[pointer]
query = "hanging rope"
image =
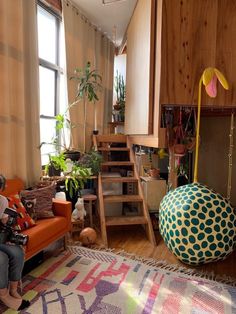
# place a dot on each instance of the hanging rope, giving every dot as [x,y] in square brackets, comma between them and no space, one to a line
[230,166]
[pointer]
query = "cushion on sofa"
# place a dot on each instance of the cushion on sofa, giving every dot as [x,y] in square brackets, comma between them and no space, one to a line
[24,221]
[30,207]
[43,196]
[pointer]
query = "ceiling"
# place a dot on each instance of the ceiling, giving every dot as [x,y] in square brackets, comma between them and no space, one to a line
[113,18]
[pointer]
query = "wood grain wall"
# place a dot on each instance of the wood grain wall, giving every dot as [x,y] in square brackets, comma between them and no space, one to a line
[213,155]
[139,76]
[196,35]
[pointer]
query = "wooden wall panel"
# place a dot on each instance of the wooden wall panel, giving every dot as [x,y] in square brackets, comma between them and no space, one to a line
[139,79]
[226,50]
[213,158]
[188,47]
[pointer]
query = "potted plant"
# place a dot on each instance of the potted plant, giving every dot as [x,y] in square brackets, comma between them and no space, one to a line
[92,160]
[64,127]
[120,94]
[56,165]
[75,181]
[62,141]
[89,83]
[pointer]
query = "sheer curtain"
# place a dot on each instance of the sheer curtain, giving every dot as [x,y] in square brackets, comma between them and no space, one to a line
[85,43]
[19,106]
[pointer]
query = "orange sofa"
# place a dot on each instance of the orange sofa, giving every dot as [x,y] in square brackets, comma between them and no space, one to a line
[46,231]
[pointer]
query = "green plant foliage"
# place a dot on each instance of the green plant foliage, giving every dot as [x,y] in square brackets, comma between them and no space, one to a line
[120,90]
[57,161]
[76,179]
[89,82]
[91,160]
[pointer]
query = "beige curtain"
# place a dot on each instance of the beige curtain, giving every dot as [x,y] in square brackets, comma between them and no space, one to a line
[19,105]
[85,43]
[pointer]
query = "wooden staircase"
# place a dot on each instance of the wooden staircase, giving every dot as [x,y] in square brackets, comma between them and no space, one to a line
[107,145]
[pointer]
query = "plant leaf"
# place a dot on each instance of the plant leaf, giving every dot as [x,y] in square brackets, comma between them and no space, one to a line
[207,75]
[221,79]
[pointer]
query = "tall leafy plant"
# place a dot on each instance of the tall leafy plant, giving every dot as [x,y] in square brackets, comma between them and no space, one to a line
[89,83]
[120,90]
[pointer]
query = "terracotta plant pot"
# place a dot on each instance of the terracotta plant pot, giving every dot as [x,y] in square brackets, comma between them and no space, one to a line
[191,143]
[117,107]
[179,149]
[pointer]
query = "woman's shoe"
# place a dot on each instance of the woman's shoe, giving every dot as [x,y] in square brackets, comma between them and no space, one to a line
[11,302]
[24,305]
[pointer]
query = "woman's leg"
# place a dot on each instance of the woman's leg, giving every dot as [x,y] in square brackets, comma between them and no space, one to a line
[4,262]
[16,260]
[16,263]
[12,257]
[4,294]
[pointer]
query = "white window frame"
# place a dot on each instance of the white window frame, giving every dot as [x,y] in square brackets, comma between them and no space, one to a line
[55,67]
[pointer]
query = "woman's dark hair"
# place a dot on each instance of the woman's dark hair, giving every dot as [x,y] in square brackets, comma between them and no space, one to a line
[2,182]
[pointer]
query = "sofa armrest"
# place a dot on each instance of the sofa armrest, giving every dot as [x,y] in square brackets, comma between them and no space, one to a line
[62,208]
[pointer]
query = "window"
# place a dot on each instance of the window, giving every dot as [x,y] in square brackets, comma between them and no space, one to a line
[51,76]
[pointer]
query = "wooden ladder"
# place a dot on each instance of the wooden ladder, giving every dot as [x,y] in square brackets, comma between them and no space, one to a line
[107,145]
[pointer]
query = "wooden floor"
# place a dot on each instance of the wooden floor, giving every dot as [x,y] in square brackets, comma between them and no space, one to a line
[133,240]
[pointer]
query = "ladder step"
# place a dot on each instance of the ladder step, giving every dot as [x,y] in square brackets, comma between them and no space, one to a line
[123,220]
[122,198]
[121,179]
[117,163]
[114,149]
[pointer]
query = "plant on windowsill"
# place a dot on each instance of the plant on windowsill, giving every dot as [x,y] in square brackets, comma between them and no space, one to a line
[62,141]
[120,90]
[56,165]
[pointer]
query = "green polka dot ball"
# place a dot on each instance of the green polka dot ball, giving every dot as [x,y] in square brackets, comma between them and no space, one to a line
[197,224]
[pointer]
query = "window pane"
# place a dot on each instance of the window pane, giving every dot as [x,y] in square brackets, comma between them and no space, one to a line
[47,91]
[47,133]
[62,54]
[63,94]
[46,35]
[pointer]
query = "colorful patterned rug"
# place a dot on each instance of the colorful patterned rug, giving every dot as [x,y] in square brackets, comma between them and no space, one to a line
[82,280]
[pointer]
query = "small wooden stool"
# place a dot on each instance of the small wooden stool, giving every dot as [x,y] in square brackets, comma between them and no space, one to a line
[90,198]
[76,226]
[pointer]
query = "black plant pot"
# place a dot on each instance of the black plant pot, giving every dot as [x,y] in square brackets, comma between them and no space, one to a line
[73,199]
[53,172]
[73,155]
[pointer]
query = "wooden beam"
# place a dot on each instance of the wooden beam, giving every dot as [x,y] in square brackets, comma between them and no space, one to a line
[150,140]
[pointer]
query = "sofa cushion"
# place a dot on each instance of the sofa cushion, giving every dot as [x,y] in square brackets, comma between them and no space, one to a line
[30,207]
[45,231]
[24,221]
[43,196]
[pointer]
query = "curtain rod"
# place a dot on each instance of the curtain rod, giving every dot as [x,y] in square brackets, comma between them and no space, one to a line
[84,17]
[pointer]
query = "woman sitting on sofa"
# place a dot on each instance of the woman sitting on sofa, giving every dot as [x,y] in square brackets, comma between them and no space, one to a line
[11,265]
